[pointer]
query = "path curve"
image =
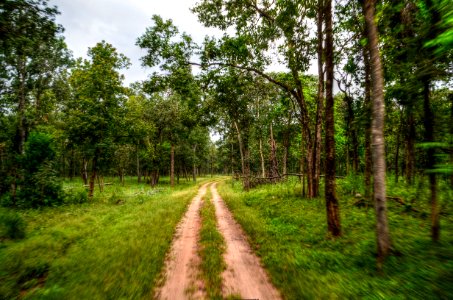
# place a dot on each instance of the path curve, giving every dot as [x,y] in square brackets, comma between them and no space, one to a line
[182,280]
[244,274]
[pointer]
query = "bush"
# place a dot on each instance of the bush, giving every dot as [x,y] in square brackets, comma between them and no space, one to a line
[76,197]
[40,185]
[12,225]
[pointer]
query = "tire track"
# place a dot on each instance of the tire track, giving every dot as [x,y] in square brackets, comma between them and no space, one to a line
[182,279]
[244,274]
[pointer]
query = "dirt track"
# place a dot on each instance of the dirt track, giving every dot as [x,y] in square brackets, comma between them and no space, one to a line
[243,276]
[182,265]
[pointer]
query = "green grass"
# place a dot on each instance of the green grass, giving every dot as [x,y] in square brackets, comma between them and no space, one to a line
[289,234]
[212,247]
[109,248]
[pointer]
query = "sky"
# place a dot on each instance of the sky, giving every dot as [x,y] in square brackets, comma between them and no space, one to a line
[120,23]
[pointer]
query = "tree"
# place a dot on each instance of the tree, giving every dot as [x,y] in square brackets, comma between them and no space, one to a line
[332,206]
[176,80]
[95,111]
[377,137]
[260,27]
[32,53]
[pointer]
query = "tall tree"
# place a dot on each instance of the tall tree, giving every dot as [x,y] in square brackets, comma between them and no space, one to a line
[377,137]
[96,109]
[32,53]
[332,206]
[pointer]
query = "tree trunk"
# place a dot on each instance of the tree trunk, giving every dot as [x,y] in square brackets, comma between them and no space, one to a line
[352,153]
[84,171]
[378,143]
[285,157]
[247,170]
[451,137]
[263,167]
[154,178]
[21,106]
[332,207]
[431,161]
[397,152]
[241,151]
[139,175]
[302,166]
[71,166]
[320,102]
[92,178]
[410,147]
[194,169]
[367,104]
[172,165]
[273,172]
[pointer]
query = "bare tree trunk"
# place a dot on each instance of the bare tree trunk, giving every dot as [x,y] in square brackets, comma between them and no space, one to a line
[172,165]
[352,151]
[397,152]
[431,161]
[367,104]
[154,178]
[194,170]
[320,102]
[451,136]
[84,171]
[285,157]
[232,158]
[71,166]
[332,207]
[139,175]
[241,147]
[21,108]
[247,170]
[92,178]
[263,167]
[302,167]
[378,143]
[410,148]
[273,172]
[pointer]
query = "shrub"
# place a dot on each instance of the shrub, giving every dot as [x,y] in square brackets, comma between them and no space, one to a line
[76,197]
[40,185]
[12,225]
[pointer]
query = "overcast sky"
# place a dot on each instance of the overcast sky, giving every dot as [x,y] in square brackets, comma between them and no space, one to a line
[120,23]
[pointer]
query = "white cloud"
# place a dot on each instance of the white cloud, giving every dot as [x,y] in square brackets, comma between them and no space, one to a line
[120,23]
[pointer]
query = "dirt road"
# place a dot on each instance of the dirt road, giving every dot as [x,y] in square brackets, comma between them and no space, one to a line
[244,275]
[182,265]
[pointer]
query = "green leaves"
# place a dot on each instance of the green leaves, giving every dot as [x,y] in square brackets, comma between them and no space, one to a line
[96,108]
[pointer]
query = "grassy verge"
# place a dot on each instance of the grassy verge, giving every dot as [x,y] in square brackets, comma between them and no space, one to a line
[110,248]
[212,247]
[289,233]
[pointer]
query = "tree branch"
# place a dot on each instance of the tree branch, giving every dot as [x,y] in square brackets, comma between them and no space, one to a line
[256,71]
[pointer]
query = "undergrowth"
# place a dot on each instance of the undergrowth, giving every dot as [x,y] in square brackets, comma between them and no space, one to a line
[111,247]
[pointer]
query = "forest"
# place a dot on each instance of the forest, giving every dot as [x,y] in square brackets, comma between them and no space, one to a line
[341,181]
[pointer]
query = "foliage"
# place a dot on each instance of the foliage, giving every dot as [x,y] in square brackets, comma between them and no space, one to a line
[12,225]
[41,185]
